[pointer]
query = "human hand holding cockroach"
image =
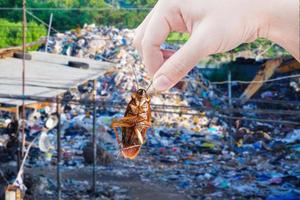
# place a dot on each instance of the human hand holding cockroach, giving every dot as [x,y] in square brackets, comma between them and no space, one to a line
[214,26]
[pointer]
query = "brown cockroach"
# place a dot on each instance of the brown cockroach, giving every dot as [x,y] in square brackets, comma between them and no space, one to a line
[134,124]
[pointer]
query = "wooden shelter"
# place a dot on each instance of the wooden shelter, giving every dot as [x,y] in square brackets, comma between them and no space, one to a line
[47,75]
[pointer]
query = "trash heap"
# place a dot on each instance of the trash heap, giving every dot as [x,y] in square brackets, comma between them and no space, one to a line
[196,144]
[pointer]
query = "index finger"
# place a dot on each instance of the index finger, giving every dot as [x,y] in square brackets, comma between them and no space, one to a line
[156,33]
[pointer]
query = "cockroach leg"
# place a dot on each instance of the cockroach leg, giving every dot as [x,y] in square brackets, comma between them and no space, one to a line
[134,108]
[145,124]
[117,136]
[119,153]
[139,135]
[124,122]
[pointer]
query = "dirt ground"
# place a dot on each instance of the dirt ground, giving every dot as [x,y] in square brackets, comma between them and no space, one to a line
[137,189]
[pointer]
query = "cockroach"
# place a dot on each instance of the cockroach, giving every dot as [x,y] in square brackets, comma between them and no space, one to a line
[134,124]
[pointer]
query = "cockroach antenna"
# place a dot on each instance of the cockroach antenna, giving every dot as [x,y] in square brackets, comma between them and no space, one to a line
[135,77]
[149,86]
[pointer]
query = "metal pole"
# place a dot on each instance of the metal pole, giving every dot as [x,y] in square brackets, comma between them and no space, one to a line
[230,106]
[229,89]
[18,139]
[23,75]
[49,30]
[58,175]
[94,137]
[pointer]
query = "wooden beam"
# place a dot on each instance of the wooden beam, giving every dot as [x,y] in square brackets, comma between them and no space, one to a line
[267,70]
[9,109]
[288,65]
[8,52]
[38,106]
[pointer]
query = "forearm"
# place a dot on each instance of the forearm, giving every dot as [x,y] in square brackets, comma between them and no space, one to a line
[282,25]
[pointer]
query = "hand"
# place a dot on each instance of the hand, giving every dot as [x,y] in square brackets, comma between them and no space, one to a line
[214,26]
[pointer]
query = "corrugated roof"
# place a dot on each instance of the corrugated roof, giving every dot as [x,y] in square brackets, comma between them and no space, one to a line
[47,75]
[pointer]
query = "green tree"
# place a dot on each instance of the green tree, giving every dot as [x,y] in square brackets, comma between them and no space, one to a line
[11,33]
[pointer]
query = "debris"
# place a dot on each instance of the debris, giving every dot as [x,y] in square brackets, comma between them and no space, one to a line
[102,157]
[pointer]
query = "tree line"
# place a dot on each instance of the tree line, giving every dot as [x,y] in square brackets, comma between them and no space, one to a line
[100,12]
[65,19]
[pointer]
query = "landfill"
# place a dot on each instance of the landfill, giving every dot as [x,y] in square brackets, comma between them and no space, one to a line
[197,148]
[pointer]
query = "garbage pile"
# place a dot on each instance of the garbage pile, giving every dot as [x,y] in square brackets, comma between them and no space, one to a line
[198,143]
[202,165]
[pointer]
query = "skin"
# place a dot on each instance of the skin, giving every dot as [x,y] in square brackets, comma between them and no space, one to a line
[214,26]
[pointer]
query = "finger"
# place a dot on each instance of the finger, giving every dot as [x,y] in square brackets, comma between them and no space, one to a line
[139,33]
[178,65]
[167,53]
[153,38]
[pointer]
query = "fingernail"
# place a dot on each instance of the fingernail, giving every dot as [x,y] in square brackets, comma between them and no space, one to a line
[161,83]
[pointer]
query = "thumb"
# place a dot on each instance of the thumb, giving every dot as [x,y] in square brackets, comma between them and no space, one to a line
[181,62]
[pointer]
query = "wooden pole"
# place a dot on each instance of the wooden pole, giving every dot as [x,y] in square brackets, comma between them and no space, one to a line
[23,76]
[49,30]
[58,175]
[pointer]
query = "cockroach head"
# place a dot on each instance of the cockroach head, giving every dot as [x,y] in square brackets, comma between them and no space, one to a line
[141,92]
[139,95]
